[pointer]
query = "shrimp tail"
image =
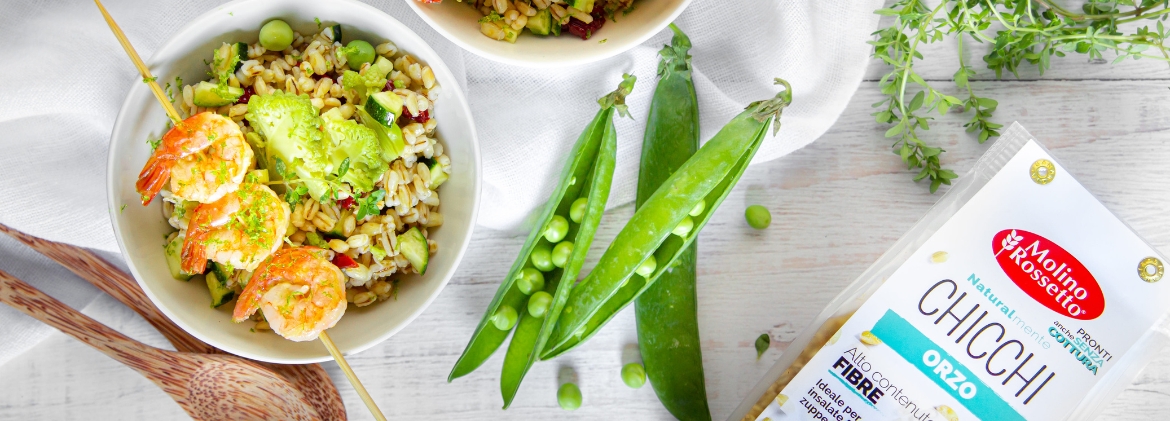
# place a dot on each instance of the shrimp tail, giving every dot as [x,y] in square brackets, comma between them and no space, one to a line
[194,256]
[153,177]
[249,300]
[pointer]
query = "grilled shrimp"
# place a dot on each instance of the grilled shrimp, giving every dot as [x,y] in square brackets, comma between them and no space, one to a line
[299,292]
[204,157]
[241,229]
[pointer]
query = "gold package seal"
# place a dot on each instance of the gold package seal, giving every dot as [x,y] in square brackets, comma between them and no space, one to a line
[1043,171]
[1150,269]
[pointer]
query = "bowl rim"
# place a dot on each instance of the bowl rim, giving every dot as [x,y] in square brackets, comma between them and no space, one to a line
[620,46]
[142,89]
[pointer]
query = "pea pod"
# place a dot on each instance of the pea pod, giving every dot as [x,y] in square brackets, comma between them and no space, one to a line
[532,334]
[668,324]
[589,169]
[707,177]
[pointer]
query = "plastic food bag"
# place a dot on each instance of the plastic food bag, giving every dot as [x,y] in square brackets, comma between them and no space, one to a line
[1017,297]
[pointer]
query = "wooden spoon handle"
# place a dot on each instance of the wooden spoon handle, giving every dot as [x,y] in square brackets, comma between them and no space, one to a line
[52,312]
[114,282]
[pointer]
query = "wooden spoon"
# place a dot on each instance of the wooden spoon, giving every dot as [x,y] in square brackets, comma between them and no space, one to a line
[208,387]
[310,379]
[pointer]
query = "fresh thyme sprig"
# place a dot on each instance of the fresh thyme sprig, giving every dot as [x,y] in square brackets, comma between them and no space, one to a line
[1025,33]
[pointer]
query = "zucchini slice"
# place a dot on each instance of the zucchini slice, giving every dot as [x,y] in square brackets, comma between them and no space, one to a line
[385,107]
[334,32]
[220,292]
[412,245]
[438,174]
[541,24]
[173,251]
[208,94]
[227,59]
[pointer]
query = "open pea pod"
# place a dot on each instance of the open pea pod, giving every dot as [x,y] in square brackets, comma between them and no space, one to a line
[532,332]
[589,168]
[662,227]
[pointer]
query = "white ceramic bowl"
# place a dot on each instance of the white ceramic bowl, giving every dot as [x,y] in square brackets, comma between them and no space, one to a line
[458,22]
[140,230]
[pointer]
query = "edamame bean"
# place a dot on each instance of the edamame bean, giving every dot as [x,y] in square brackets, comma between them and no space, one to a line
[758,216]
[505,318]
[577,210]
[569,396]
[542,257]
[556,230]
[647,267]
[634,375]
[561,253]
[359,52]
[538,304]
[683,228]
[699,208]
[530,280]
[276,35]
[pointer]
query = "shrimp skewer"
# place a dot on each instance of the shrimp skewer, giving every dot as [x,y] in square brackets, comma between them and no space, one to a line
[240,230]
[204,157]
[299,292]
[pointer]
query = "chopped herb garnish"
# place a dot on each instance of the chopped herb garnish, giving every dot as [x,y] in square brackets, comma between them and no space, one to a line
[369,205]
[149,79]
[154,144]
[122,209]
[318,21]
[603,41]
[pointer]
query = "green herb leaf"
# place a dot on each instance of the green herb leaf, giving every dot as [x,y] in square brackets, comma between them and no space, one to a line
[762,344]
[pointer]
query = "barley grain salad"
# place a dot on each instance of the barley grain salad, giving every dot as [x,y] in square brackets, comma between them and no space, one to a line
[303,176]
[504,20]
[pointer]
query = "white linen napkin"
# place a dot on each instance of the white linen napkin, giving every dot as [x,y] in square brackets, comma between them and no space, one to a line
[64,78]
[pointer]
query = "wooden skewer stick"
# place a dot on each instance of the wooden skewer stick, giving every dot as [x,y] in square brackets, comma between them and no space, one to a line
[357,384]
[174,115]
[146,77]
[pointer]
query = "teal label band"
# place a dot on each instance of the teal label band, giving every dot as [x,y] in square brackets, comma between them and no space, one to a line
[948,373]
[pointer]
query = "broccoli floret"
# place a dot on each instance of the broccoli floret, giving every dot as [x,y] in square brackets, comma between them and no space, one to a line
[292,131]
[359,144]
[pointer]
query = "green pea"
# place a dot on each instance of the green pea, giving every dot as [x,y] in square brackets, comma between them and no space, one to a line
[634,375]
[542,257]
[556,230]
[359,52]
[276,35]
[538,304]
[505,318]
[577,210]
[699,208]
[758,216]
[647,267]
[684,227]
[569,396]
[561,253]
[529,281]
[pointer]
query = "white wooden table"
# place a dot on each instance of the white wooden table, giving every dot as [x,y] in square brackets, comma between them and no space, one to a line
[836,206]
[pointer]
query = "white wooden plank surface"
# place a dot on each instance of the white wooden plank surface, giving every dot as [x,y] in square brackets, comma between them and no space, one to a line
[836,205]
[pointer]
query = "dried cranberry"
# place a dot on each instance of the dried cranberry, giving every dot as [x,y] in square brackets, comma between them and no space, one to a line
[343,261]
[346,203]
[248,92]
[406,118]
[586,30]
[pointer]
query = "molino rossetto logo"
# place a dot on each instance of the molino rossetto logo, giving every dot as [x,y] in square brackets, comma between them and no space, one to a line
[1048,274]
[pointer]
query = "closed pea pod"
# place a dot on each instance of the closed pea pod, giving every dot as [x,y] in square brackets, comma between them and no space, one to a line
[588,173]
[708,176]
[667,312]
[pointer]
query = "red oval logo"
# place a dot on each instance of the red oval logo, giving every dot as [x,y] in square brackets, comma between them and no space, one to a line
[1048,274]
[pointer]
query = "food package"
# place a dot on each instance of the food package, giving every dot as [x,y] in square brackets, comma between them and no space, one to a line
[1019,296]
